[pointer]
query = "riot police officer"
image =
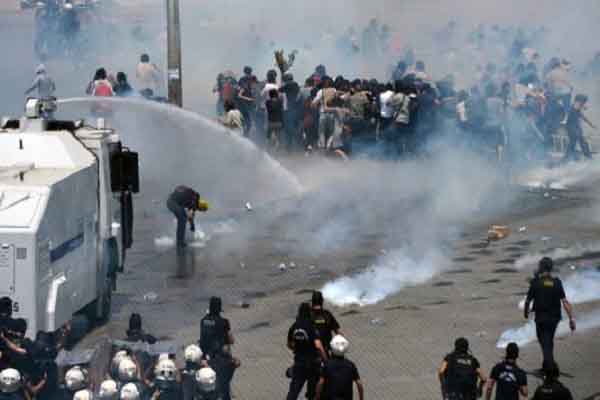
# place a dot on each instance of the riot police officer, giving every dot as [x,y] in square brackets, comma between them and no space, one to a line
[460,372]
[206,385]
[166,385]
[324,321]
[552,389]
[193,363]
[215,331]
[547,294]
[108,390]
[11,385]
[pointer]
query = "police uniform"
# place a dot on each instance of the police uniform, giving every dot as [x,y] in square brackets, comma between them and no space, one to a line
[339,374]
[306,359]
[214,334]
[188,381]
[552,391]
[547,293]
[461,376]
[325,323]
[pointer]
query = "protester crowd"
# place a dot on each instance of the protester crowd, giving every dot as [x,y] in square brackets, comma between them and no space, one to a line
[28,370]
[519,105]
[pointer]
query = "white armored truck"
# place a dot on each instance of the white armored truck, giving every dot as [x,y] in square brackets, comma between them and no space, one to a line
[65,217]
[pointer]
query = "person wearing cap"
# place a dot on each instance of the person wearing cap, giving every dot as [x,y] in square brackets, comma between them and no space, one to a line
[460,372]
[323,320]
[339,374]
[547,294]
[215,331]
[183,203]
[511,379]
[43,83]
[574,129]
[551,388]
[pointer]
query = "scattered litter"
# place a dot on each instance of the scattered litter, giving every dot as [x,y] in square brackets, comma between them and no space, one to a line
[383,251]
[282,267]
[572,267]
[248,207]
[546,195]
[522,229]
[243,304]
[311,267]
[377,322]
[150,297]
[545,238]
[292,264]
[242,265]
[481,334]
[497,232]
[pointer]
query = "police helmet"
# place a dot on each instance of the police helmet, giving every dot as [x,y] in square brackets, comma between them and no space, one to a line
[108,390]
[84,394]
[339,345]
[116,361]
[128,370]
[76,379]
[461,345]
[206,378]
[192,353]
[546,264]
[10,380]
[165,370]
[130,392]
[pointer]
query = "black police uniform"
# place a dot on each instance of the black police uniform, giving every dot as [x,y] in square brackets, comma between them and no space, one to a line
[461,376]
[224,367]
[325,323]
[339,374]
[188,381]
[552,391]
[18,395]
[547,294]
[214,334]
[306,359]
[170,391]
[509,379]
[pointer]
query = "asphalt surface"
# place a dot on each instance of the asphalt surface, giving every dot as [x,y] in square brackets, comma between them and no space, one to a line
[397,343]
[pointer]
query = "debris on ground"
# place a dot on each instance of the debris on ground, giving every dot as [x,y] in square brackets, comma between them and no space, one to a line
[242,265]
[292,264]
[522,229]
[498,232]
[377,322]
[150,297]
[282,267]
[545,238]
[248,206]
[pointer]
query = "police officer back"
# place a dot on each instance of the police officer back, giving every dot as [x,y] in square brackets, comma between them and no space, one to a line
[215,331]
[511,379]
[323,320]
[547,294]
[459,373]
[303,339]
[339,374]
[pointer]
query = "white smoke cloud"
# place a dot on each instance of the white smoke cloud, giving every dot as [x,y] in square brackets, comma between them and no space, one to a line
[525,334]
[581,287]
[390,273]
[564,177]
[532,259]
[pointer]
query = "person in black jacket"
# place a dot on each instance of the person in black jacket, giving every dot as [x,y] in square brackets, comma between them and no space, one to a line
[183,202]
[459,373]
[510,379]
[215,331]
[547,294]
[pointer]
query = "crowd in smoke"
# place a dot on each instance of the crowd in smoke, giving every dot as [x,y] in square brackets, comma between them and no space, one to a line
[522,105]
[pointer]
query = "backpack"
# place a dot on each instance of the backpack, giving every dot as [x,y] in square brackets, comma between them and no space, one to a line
[227,91]
[402,108]
[102,89]
[461,376]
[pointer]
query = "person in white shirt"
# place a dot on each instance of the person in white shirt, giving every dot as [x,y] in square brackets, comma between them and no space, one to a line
[148,75]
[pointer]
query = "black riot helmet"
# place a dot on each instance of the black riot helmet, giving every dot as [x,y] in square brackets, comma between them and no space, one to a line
[461,345]
[546,265]
[317,298]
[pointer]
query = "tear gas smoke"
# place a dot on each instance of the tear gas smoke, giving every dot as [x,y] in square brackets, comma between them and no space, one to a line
[561,178]
[580,287]
[526,334]
[531,259]
[388,275]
